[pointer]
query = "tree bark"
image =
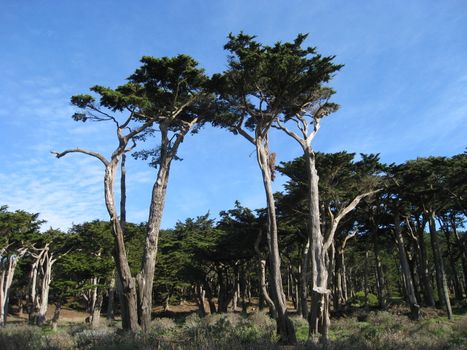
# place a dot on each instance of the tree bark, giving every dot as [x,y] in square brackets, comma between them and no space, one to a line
[441,279]
[7,270]
[408,283]
[285,327]
[48,262]
[379,277]
[424,270]
[111,300]
[96,311]
[262,279]
[304,279]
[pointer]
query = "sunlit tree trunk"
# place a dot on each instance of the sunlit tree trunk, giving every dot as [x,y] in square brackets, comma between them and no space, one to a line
[285,327]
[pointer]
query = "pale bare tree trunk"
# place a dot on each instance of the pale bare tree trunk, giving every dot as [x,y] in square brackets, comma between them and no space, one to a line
[168,151]
[128,290]
[48,261]
[33,302]
[129,301]
[7,270]
[284,324]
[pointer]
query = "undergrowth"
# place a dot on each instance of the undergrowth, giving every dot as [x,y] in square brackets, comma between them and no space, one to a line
[377,330]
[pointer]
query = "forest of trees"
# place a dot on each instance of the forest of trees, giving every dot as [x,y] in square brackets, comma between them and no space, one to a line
[347,230]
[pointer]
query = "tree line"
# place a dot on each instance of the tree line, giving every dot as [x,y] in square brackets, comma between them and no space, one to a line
[294,248]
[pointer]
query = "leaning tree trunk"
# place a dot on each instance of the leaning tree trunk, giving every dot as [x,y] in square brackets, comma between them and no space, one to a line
[146,276]
[168,152]
[441,280]
[409,288]
[128,290]
[285,326]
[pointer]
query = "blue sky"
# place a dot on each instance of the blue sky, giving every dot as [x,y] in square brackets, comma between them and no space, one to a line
[403,92]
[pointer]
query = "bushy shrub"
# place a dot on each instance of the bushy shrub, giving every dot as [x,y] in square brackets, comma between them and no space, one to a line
[359,299]
[59,341]
[13,337]
[163,326]
[95,338]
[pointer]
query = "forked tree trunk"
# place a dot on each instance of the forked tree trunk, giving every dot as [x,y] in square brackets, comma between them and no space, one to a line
[46,268]
[168,151]
[33,302]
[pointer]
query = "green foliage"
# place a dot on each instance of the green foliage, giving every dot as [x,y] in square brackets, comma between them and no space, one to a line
[359,299]
[17,229]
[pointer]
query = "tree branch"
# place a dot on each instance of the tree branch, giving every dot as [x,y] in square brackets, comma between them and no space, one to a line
[84,151]
[351,206]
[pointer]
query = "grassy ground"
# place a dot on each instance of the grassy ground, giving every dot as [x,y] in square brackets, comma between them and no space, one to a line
[358,330]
